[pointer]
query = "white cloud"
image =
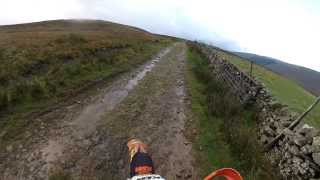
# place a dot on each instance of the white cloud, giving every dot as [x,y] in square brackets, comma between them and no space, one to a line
[15,11]
[284,29]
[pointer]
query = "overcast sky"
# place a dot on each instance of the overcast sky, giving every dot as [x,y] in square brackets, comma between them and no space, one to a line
[285,29]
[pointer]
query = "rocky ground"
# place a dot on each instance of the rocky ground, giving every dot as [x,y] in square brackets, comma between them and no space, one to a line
[87,138]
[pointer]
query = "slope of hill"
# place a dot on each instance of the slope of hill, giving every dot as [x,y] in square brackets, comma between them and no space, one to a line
[307,78]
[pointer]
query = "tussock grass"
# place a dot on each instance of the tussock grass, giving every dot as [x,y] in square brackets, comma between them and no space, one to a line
[227,132]
[50,58]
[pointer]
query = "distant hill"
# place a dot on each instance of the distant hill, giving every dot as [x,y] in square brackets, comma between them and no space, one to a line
[70,24]
[307,78]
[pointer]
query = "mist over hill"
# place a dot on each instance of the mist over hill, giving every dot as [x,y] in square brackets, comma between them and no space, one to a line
[307,78]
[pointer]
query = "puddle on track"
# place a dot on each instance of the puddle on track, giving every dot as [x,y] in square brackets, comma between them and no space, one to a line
[87,120]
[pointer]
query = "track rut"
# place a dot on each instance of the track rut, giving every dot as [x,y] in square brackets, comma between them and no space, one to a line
[89,138]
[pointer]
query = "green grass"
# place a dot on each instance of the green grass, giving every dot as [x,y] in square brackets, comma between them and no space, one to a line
[60,176]
[211,138]
[226,131]
[216,153]
[284,90]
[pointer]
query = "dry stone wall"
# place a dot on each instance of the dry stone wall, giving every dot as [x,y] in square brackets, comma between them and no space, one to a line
[297,155]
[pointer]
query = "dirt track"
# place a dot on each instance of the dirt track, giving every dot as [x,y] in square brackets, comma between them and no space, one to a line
[89,138]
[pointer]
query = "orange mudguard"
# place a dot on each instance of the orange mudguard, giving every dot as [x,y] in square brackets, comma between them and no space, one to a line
[228,173]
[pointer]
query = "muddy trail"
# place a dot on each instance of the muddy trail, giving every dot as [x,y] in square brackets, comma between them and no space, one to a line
[87,138]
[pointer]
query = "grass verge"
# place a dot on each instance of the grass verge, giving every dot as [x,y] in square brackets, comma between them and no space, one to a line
[226,132]
[60,175]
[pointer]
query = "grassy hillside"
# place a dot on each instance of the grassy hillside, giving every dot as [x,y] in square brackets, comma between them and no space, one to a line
[45,61]
[285,90]
[305,77]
